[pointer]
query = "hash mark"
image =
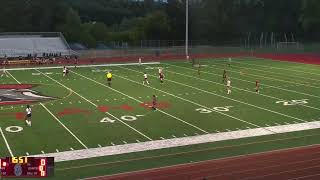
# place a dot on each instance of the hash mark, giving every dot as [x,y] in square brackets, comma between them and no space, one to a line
[70,102]
[99,145]
[248,127]
[115,99]
[71,149]
[185,135]
[238,129]
[42,152]
[174,136]
[57,150]
[228,130]
[79,102]
[98,100]
[137,140]
[196,133]
[267,125]
[161,138]
[27,154]
[112,143]
[124,142]
[217,131]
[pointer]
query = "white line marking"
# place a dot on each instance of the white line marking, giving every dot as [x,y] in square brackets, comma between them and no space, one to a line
[71,149]
[276,87]
[161,138]
[125,142]
[173,136]
[208,92]
[130,97]
[57,150]
[81,66]
[6,142]
[42,152]
[246,89]
[178,142]
[54,115]
[185,135]
[64,126]
[191,101]
[96,106]
[137,140]
[99,145]
[112,144]
[27,154]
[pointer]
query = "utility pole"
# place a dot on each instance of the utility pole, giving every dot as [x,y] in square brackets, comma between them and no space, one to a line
[187,28]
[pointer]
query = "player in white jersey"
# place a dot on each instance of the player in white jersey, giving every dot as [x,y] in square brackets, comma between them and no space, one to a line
[228,86]
[145,76]
[64,71]
[28,115]
[4,72]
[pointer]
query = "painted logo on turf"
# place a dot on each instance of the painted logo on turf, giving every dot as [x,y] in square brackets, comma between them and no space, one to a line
[11,94]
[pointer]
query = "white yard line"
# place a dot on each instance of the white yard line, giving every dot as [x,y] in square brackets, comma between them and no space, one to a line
[56,118]
[79,66]
[6,142]
[95,105]
[65,127]
[271,72]
[276,87]
[282,68]
[163,112]
[178,142]
[192,102]
[272,97]
[208,92]
[274,79]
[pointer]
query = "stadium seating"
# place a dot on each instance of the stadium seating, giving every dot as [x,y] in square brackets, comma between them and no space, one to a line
[24,45]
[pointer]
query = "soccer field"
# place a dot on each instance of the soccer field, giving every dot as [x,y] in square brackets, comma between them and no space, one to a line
[79,116]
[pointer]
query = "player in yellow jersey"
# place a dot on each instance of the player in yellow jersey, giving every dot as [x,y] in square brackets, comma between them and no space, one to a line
[109,77]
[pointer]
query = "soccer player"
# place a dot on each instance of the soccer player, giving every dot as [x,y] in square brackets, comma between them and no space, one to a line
[160,71]
[229,61]
[28,116]
[228,86]
[109,78]
[161,76]
[64,71]
[257,86]
[145,76]
[4,72]
[154,102]
[224,76]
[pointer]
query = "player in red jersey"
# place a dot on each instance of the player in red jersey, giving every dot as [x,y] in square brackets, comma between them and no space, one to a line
[154,102]
[257,86]
[161,76]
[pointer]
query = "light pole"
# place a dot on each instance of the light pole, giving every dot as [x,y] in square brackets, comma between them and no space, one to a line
[187,29]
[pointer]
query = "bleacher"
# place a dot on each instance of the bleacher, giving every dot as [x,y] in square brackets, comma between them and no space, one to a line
[34,45]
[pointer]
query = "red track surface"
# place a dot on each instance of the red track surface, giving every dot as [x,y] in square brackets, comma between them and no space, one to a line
[292,164]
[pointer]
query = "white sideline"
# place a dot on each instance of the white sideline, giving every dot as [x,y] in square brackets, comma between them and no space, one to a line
[81,66]
[177,142]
